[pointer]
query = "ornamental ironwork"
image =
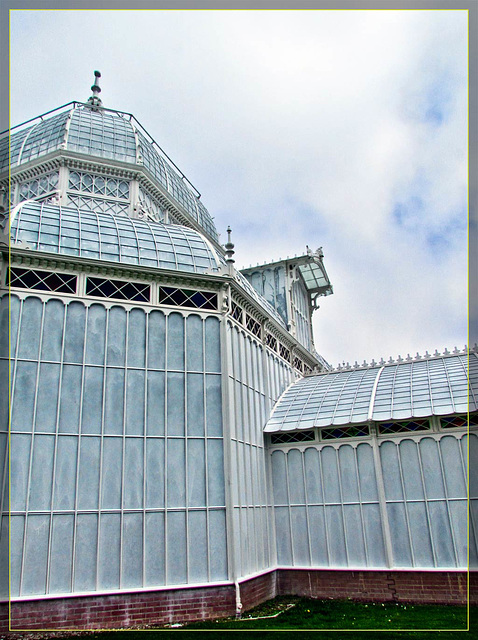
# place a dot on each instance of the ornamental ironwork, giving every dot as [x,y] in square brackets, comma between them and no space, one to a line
[41,280]
[118,289]
[188,298]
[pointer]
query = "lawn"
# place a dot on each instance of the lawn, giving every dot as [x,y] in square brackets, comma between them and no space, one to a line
[325,619]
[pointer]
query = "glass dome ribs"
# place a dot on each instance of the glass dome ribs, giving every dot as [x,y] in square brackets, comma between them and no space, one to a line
[435,386]
[103,236]
[107,134]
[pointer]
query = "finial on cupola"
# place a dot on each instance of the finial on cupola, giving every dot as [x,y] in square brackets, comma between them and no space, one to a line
[229,246]
[95,100]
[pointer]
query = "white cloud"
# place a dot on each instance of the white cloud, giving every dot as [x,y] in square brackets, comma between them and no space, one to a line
[299,127]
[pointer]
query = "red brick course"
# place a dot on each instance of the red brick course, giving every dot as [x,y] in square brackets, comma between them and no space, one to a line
[202,603]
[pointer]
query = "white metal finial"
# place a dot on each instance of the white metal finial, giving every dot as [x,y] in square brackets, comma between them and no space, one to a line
[229,246]
[95,100]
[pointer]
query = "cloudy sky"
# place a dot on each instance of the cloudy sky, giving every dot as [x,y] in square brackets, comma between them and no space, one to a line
[341,129]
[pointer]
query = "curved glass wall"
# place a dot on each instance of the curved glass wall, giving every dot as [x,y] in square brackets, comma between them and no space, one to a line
[116,430]
[330,510]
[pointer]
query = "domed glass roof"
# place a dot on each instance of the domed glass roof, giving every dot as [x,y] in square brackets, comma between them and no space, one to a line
[103,236]
[107,134]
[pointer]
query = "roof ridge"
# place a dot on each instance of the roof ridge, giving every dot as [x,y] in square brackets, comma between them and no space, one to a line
[346,366]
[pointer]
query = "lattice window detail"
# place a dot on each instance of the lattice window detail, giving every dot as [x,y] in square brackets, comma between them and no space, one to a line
[333,433]
[38,187]
[100,206]
[307,369]
[271,341]
[236,312]
[41,280]
[403,425]
[286,438]
[253,326]
[188,298]
[148,207]
[284,352]
[298,364]
[449,422]
[98,185]
[118,289]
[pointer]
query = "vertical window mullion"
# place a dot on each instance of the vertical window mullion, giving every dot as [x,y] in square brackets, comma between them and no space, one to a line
[27,499]
[102,436]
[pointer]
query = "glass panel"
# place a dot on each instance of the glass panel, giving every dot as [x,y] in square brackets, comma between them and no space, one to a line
[175,342]
[133,474]
[298,518]
[176,547]
[52,330]
[391,471]
[154,473]
[114,401]
[335,536]
[132,543]
[156,340]
[175,469]
[69,419]
[374,535]
[88,476]
[111,473]
[195,395]
[92,408]
[215,468]
[74,332]
[296,479]
[95,336]
[19,470]
[61,558]
[175,408]
[116,337]
[36,551]
[135,401]
[196,473]
[109,551]
[198,547]
[399,535]
[354,534]
[411,470]
[284,548]
[330,475]
[24,396]
[65,472]
[194,343]
[42,473]
[155,404]
[47,397]
[154,569]
[213,405]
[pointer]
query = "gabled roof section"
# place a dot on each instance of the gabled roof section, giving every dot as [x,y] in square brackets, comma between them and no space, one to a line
[421,388]
[311,268]
[103,236]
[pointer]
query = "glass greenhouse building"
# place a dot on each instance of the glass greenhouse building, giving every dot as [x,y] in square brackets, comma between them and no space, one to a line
[179,449]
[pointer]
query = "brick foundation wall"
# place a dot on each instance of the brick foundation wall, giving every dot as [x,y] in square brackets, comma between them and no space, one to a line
[125,610]
[204,603]
[258,590]
[430,587]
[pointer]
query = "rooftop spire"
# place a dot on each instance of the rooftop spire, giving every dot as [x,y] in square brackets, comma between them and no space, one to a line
[229,246]
[95,100]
